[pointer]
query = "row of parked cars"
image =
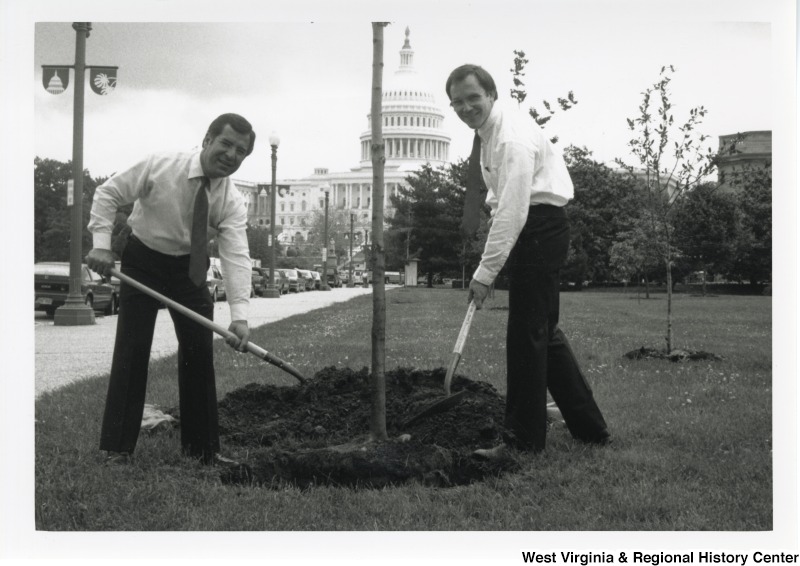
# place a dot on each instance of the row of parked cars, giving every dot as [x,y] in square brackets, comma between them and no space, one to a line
[51,285]
[291,280]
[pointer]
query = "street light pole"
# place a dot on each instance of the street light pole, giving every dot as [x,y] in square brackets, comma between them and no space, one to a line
[350,282]
[324,286]
[272,291]
[74,312]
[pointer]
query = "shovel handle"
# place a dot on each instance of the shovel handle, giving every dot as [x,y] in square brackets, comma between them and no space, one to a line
[462,335]
[459,347]
[211,325]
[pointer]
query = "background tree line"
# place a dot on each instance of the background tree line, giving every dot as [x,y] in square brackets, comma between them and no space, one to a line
[725,233]
[51,218]
[722,233]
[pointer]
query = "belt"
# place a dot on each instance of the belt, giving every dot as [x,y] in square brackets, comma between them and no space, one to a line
[549,210]
[138,241]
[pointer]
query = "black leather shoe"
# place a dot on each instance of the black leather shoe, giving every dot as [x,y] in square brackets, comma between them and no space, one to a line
[603,440]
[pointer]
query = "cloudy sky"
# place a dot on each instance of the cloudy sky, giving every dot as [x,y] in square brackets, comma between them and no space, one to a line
[309,79]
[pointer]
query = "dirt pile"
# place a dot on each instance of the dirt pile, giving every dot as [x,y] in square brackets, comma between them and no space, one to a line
[315,433]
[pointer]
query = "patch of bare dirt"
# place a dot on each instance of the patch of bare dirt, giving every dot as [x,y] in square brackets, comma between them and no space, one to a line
[316,433]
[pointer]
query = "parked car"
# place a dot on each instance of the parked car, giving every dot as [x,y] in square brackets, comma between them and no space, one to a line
[333,279]
[258,283]
[216,286]
[307,279]
[281,279]
[317,280]
[293,280]
[51,288]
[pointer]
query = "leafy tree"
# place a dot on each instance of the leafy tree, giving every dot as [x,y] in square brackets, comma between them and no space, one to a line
[635,254]
[605,204]
[52,216]
[753,248]
[706,230]
[427,218]
[338,230]
[258,242]
[671,164]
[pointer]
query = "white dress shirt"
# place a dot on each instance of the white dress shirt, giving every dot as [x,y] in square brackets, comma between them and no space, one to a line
[162,188]
[521,168]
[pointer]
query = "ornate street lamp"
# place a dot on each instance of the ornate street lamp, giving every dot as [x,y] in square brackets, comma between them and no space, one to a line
[103,81]
[272,291]
[350,282]
[324,286]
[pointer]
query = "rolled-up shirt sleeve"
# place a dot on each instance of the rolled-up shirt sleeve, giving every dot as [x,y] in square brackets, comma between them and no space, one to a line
[234,255]
[121,189]
[514,187]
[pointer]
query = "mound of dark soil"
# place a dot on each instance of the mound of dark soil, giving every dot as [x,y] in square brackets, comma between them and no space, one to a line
[316,433]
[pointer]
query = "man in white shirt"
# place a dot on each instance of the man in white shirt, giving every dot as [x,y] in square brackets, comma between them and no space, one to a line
[166,190]
[528,185]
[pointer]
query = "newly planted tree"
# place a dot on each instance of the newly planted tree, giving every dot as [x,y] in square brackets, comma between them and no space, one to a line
[671,162]
[377,255]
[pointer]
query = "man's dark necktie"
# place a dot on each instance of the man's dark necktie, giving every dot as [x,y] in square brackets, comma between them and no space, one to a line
[476,191]
[198,260]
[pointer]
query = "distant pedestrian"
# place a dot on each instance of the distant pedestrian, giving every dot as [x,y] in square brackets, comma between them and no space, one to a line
[527,186]
[180,199]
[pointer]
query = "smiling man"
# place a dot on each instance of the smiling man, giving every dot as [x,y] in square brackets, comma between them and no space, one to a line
[180,200]
[528,185]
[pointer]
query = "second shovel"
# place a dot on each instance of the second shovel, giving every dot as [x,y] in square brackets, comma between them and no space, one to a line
[449,400]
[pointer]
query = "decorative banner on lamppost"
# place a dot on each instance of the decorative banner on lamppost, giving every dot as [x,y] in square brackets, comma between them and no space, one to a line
[103,80]
[55,79]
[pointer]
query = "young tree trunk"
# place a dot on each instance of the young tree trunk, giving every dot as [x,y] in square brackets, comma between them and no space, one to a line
[669,306]
[704,280]
[378,376]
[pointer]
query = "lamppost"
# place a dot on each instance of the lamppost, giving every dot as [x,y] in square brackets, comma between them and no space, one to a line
[350,282]
[324,286]
[74,312]
[272,291]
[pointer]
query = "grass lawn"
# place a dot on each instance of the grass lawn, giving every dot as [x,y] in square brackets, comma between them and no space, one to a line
[692,449]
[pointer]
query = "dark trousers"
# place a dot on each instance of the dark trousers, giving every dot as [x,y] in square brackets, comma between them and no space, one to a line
[196,380]
[539,356]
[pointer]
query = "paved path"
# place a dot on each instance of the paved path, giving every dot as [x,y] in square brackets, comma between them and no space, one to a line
[64,354]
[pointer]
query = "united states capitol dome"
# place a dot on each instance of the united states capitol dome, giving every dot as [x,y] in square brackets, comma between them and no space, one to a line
[412,120]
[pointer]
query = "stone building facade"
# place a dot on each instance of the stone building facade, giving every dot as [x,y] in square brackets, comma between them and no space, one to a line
[740,152]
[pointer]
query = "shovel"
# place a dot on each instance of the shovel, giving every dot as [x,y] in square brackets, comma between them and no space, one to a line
[252,348]
[449,400]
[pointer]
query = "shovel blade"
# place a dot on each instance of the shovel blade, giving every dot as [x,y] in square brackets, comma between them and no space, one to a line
[437,407]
